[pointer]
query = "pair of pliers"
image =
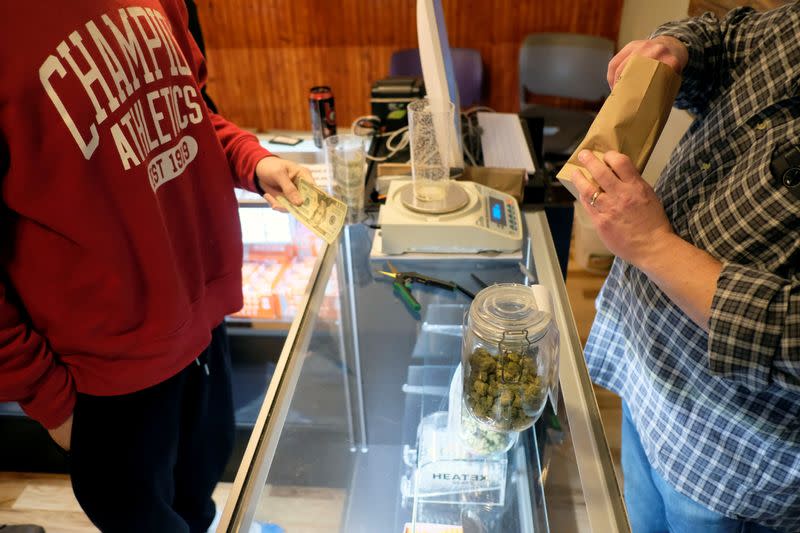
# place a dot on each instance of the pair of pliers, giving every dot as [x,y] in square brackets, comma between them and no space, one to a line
[403,280]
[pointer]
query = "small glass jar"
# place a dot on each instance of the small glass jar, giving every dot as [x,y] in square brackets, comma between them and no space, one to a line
[509,356]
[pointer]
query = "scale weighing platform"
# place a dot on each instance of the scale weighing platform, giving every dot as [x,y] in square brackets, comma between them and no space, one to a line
[472,219]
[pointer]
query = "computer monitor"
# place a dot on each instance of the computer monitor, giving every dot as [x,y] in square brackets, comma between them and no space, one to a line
[437,68]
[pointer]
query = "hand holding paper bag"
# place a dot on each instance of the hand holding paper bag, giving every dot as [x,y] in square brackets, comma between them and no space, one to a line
[664,48]
[628,216]
[631,118]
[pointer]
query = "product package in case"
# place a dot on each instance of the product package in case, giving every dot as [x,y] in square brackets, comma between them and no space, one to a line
[445,471]
[420,527]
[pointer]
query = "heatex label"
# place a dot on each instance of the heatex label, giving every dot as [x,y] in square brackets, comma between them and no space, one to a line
[474,478]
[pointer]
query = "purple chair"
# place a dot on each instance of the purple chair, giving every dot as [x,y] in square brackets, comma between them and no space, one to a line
[466,62]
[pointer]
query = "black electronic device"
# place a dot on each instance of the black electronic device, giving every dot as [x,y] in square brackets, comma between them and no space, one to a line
[390,97]
[785,166]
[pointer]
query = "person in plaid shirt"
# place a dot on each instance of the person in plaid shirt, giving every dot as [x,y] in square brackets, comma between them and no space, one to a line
[698,323]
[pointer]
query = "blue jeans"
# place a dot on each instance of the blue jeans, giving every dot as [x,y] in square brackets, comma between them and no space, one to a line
[655,507]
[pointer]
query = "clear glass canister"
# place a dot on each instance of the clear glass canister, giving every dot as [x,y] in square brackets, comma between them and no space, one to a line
[509,356]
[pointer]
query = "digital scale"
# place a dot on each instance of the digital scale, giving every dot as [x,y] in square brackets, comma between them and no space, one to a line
[472,218]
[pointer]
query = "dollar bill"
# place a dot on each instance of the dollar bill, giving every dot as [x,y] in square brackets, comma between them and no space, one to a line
[319,212]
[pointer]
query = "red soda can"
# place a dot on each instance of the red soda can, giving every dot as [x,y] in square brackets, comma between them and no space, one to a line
[323,116]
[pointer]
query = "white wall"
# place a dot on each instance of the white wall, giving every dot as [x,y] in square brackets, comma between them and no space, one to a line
[639,19]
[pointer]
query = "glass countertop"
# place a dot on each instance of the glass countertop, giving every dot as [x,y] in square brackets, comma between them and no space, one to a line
[349,435]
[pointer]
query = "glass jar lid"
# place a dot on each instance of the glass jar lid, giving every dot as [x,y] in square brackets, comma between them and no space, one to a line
[501,311]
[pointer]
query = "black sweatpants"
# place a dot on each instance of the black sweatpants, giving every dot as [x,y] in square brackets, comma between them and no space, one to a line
[149,461]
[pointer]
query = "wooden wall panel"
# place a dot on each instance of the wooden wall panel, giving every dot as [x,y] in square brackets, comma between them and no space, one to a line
[264,55]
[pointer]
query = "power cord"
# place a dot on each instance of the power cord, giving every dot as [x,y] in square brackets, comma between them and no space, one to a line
[471,133]
[396,141]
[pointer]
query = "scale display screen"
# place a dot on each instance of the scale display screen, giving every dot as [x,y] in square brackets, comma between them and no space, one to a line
[497,211]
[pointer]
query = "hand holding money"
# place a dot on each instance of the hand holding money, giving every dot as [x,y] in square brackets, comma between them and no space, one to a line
[319,212]
[276,176]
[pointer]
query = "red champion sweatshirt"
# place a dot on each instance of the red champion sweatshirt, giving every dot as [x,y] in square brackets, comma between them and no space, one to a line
[120,246]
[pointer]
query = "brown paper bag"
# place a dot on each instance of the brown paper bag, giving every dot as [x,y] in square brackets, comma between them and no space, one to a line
[631,118]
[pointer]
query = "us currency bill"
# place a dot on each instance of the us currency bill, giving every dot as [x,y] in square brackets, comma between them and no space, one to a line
[319,212]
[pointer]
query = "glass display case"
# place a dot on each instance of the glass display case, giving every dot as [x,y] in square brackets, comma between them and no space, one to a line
[352,434]
[279,258]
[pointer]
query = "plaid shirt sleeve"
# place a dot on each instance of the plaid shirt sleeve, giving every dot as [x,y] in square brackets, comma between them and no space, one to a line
[754,332]
[715,48]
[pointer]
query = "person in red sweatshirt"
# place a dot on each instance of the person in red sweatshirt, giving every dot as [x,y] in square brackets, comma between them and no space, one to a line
[122,252]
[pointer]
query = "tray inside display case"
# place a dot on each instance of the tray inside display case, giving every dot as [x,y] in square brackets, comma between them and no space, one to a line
[279,258]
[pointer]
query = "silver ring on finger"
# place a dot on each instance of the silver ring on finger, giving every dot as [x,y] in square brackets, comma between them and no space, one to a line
[594,197]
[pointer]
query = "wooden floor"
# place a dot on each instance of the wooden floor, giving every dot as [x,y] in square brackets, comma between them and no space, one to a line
[47,500]
[41,499]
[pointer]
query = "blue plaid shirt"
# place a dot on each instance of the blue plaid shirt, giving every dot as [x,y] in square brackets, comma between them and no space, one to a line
[719,412]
